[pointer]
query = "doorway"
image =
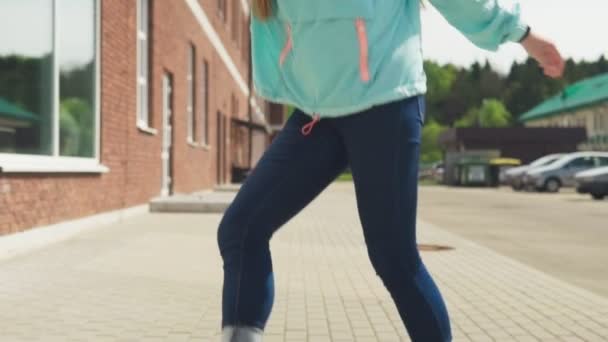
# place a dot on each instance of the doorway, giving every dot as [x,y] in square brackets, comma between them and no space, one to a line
[221,147]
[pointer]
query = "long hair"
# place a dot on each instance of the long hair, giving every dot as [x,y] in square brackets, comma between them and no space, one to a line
[263,8]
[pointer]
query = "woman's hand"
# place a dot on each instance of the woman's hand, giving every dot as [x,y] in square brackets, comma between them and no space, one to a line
[546,53]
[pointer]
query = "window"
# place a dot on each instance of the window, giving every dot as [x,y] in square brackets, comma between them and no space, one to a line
[221,9]
[191,93]
[597,123]
[602,161]
[143,114]
[603,122]
[234,106]
[204,106]
[582,162]
[244,40]
[235,21]
[48,78]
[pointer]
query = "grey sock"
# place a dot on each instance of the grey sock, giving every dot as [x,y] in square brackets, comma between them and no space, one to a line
[241,334]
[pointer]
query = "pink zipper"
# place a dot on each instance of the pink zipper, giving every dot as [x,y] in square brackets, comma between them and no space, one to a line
[288,45]
[363,50]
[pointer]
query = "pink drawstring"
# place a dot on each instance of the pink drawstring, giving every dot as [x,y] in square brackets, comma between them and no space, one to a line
[307,129]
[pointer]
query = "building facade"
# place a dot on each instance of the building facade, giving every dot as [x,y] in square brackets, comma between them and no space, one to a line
[583,104]
[107,104]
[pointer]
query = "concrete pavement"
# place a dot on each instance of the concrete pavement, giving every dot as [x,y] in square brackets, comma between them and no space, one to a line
[565,234]
[157,277]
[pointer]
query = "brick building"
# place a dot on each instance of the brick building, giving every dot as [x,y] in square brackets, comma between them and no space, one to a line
[106,104]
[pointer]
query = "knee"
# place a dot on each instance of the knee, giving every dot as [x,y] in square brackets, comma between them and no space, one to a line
[228,233]
[239,232]
[394,262]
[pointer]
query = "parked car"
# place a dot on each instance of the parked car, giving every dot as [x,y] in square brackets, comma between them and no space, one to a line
[499,168]
[432,172]
[438,171]
[561,172]
[593,182]
[515,176]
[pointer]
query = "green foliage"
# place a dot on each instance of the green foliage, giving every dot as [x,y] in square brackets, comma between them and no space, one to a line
[76,128]
[454,94]
[480,97]
[345,177]
[492,113]
[430,151]
[288,110]
[69,133]
[25,82]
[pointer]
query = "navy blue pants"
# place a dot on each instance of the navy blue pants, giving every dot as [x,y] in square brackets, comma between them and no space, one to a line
[381,146]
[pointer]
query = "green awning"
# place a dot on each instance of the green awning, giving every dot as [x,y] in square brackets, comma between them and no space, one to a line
[11,111]
[581,94]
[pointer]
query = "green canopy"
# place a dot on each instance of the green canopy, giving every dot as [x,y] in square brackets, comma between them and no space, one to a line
[11,111]
[581,94]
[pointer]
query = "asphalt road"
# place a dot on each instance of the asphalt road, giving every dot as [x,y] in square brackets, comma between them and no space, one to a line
[564,235]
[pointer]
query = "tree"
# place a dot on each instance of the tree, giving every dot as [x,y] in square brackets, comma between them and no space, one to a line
[440,82]
[76,122]
[494,114]
[430,151]
[491,113]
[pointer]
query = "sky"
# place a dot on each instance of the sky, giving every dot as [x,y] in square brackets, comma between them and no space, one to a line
[579,29]
[26,29]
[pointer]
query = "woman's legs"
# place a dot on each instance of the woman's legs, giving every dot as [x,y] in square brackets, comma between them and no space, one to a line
[294,170]
[383,147]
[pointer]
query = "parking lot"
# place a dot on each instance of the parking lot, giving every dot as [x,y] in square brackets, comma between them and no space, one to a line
[564,234]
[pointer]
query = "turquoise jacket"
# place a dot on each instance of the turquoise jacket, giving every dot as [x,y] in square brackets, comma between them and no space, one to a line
[336,57]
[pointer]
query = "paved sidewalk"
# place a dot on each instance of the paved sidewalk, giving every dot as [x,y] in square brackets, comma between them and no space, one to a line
[157,278]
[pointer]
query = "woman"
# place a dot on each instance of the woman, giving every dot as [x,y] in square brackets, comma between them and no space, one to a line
[353,68]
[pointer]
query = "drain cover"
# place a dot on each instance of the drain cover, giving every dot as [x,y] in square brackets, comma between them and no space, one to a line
[434,248]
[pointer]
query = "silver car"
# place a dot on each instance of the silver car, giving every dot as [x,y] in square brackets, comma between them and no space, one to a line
[561,172]
[515,176]
[593,182]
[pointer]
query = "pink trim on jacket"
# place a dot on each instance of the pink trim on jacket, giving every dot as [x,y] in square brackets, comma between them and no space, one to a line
[288,45]
[363,49]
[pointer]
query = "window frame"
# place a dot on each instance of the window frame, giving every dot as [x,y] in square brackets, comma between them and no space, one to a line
[32,163]
[602,161]
[235,23]
[191,95]
[142,117]
[222,10]
[204,105]
[572,163]
[244,43]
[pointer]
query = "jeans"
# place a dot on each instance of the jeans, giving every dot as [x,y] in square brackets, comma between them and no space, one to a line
[381,146]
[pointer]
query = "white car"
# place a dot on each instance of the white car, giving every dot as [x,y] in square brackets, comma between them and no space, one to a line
[561,172]
[514,176]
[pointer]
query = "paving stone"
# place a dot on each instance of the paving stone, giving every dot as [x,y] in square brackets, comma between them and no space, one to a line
[157,277]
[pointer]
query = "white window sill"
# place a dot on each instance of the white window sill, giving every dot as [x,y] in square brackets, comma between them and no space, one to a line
[199,145]
[44,164]
[146,129]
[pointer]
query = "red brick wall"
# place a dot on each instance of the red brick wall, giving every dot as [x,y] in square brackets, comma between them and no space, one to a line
[174,29]
[133,156]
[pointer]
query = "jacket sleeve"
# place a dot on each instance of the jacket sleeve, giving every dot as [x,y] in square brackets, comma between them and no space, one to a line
[486,23]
